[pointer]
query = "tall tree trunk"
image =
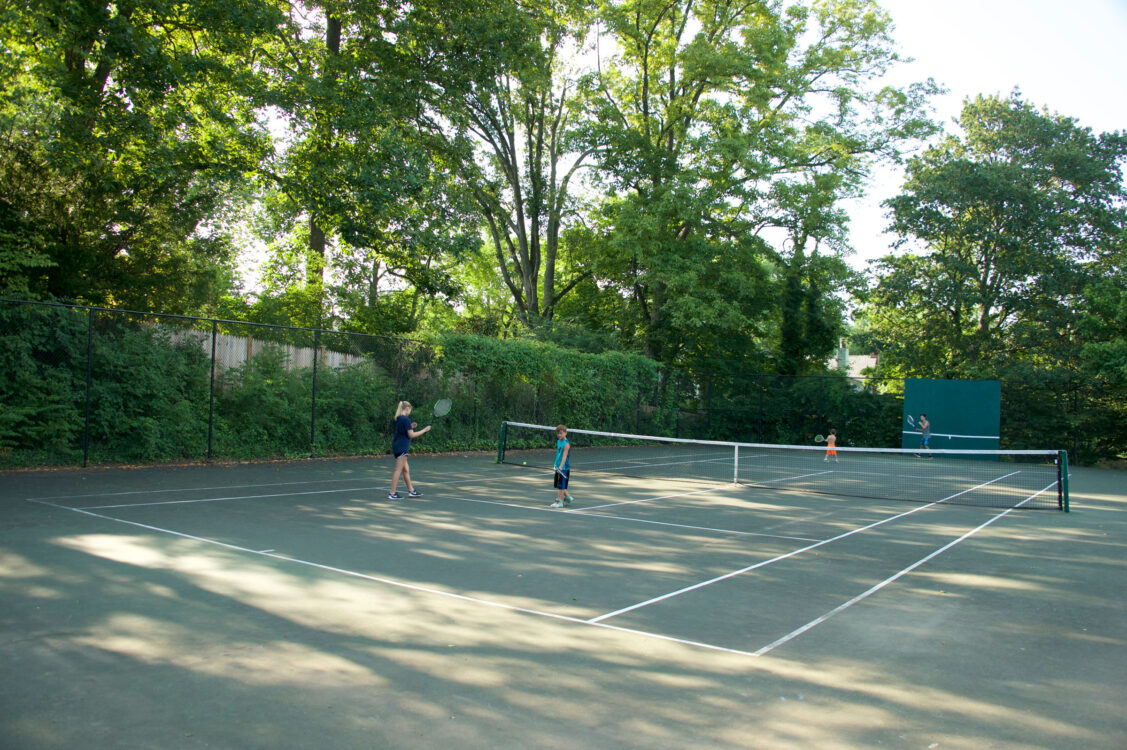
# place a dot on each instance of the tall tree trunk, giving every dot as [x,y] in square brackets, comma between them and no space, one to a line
[315,269]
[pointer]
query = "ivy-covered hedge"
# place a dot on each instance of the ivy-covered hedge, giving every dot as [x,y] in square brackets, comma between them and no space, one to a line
[151,394]
[146,394]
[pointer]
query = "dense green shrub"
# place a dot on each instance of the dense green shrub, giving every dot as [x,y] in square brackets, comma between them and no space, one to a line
[151,396]
[42,384]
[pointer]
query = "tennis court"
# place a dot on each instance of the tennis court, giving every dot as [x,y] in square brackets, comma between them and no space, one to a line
[291,605]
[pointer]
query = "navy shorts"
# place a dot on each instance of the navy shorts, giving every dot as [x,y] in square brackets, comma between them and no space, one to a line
[560,482]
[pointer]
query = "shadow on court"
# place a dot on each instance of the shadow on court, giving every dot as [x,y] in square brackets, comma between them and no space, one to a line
[293,606]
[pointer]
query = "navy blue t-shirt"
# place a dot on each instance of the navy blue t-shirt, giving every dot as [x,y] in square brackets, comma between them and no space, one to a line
[401,443]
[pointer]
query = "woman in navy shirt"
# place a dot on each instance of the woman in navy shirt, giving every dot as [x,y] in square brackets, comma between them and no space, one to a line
[400,447]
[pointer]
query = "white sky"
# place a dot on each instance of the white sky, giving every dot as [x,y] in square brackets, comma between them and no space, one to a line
[1069,56]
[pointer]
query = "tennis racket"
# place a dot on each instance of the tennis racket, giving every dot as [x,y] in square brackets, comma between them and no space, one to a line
[442,407]
[819,438]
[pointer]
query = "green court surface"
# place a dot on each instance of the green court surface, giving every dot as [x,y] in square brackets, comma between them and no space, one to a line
[291,605]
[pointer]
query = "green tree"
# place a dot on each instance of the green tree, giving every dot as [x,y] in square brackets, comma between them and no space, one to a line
[702,111]
[513,132]
[125,140]
[1020,221]
[1102,322]
[812,272]
[363,210]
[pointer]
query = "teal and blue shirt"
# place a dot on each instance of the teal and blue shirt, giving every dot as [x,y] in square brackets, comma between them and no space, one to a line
[566,465]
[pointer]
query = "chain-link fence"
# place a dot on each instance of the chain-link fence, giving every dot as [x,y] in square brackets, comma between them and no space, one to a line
[83,385]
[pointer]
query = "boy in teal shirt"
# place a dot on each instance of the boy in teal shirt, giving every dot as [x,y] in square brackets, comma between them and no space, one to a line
[562,467]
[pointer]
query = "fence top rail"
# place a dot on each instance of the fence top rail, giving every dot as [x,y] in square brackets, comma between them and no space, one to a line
[120,311]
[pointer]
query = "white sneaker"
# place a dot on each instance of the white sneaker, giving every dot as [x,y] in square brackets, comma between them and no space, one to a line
[557,504]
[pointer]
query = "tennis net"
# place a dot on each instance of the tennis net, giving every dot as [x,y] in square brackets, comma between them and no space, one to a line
[990,478]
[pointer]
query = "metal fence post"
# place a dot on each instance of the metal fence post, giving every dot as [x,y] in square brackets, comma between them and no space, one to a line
[211,397]
[759,421]
[313,405]
[89,380]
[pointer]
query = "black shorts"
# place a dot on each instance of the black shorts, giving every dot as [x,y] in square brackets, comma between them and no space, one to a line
[560,482]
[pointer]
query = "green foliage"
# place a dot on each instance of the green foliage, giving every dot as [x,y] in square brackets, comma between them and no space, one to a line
[42,386]
[1022,222]
[1100,327]
[150,390]
[791,410]
[150,394]
[532,380]
[21,255]
[1014,218]
[714,123]
[358,195]
[519,118]
[372,147]
[124,139]
[352,410]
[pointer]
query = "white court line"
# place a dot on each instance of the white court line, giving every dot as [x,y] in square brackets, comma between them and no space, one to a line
[763,563]
[650,499]
[696,456]
[219,499]
[400,584]
[841,608]
[787,479]
[381,487]
[951,435]
[624,463]
[596,622]
[192,489]
[219,487]
[582,512]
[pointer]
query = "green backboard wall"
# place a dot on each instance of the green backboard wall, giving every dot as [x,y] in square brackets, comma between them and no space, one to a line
[964,414]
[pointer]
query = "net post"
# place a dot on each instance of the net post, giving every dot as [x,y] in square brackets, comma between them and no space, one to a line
[501,444]
[1062,481]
